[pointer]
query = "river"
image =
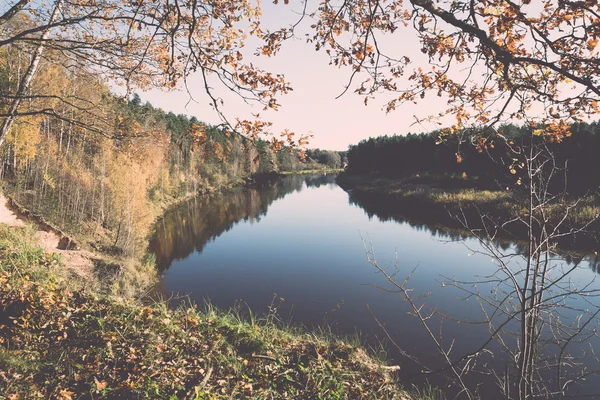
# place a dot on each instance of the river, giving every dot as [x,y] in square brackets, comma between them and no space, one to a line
[299,245]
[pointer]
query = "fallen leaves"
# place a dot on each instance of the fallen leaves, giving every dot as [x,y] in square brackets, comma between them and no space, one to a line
[112,349]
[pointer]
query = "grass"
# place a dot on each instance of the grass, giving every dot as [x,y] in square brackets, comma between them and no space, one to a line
[313,171]
[423,196]
[60,339]
[450,200]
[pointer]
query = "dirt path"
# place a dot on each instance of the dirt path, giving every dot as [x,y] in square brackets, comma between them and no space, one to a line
[6,215]
[80,261]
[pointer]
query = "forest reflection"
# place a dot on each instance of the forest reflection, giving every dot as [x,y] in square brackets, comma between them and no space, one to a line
[189,226]
[417,219]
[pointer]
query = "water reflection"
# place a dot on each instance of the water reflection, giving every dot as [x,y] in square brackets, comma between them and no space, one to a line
[387,211]
[299,237]
[191,225]
[542,314]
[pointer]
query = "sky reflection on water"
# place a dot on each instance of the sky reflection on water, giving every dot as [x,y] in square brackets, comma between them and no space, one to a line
[302,240]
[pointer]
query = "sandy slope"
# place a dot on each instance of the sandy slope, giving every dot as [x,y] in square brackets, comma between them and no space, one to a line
[6,215]
[78,260]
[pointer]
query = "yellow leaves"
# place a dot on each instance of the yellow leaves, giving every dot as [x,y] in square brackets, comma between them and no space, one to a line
[100,386]
[49,179]
[592,43]
[193,320]
[25,138]
[64,394]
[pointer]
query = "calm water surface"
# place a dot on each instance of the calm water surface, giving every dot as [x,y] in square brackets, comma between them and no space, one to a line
[303,239]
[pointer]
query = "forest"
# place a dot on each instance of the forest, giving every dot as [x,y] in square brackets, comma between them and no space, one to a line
[106,176]
[405,155]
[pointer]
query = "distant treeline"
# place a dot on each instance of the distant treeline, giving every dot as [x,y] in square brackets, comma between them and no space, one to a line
[330,159]
[402,155]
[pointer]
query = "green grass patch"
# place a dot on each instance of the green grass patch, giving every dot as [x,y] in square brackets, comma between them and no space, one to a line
[61,340]
[450,200]
[313,171]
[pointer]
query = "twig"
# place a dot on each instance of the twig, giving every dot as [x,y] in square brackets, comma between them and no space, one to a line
[263,357]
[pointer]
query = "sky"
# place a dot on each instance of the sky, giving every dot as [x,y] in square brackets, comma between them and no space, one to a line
[312,107]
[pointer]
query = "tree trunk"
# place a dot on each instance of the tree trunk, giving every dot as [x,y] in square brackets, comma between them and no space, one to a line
[27,78]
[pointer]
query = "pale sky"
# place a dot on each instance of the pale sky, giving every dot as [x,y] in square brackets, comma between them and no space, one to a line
[311,107]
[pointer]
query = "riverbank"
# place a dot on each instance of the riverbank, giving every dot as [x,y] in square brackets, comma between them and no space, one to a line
[461,203]
[314,171]
[60,338]
[63,337]
[94,253]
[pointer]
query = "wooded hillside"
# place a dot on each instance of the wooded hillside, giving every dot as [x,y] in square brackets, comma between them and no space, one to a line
[103,167]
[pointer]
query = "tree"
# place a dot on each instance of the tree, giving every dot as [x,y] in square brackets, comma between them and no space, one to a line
[526,55]
[137,44]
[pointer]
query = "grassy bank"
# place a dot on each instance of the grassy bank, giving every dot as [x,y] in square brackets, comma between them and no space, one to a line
[60,339]
[313,171]
[427,197]
[462,202]
[115,270]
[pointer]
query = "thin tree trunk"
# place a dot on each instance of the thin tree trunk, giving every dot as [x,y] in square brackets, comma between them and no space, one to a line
[102,178]
[25,83]
[13,11]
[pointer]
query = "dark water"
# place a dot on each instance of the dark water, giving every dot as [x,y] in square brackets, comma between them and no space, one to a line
[303,239]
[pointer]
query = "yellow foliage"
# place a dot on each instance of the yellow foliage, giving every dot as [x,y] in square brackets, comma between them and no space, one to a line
[50,181]
[24,138]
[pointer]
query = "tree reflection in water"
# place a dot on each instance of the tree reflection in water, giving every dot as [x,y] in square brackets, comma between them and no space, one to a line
[191,225]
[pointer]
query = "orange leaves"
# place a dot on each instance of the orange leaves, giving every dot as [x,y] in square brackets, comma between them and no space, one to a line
[303,141]
[291,143]
[273,104]
[198,135]
[287,135]
[267,51]
[100,386]
[482,143]
[494,60]
[266,86]
[556,131]
[252,129]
